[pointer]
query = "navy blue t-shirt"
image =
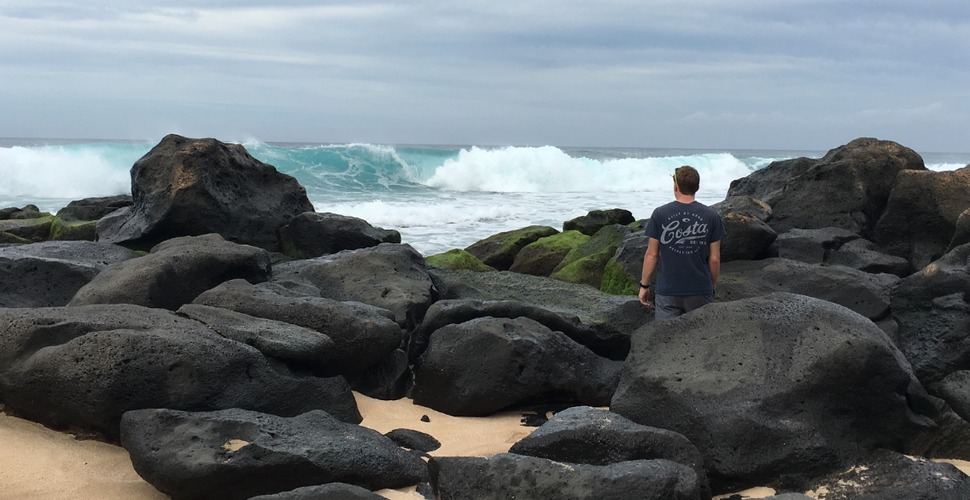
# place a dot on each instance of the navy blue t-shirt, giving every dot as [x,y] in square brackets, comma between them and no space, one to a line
[685,232]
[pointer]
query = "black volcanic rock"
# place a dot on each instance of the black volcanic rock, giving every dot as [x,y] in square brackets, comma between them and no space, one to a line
[237,454]
[781,385]
[479,367]
[49,273]
[83,367]
[189,187]
[175,273]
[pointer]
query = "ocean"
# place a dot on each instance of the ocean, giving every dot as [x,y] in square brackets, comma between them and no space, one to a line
[438,197]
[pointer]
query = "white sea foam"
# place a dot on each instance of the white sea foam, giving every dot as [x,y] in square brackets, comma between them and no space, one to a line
[57,173]
[549,169]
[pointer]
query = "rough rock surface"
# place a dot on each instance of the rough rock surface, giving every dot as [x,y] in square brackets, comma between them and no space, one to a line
[922,213]
[329,491]
[188,187]
[932,310]
[175,273]
[506,475]
[447,312]
[479,367]
[49,273]
[363,335]
[313,234]
[747,238]
[864,293]
[83,367]
[585,435]
[782,385]
[291,344]
[499,250]
[848,188]
[612,316]
[389,276]
[237,454]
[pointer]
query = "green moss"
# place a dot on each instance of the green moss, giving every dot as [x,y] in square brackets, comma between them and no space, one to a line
[499,250]
[456,259]
[34,229]
[7,238]
[73,231]
[587,270]
[616,281]
[542,257]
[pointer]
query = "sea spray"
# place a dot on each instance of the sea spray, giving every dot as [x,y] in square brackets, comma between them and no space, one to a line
[438,197]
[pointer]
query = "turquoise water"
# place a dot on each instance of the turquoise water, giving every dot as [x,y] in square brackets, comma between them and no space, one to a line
[438,197]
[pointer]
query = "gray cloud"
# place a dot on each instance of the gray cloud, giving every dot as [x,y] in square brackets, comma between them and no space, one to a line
[694,73]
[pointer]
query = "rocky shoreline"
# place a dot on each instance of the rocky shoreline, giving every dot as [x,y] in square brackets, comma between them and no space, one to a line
[216,327]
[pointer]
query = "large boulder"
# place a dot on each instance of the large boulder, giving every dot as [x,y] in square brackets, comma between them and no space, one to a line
[485,365]
[499,250]
[932,310]
[83,367]
[542,257]
[175,273]
[314,234]
[506,475]
[613,317]
[586,435]
[294,345]
[922,213]
[363,335]
[389,276]
[49,273]
[455,311]
[586,263]
[955,390]
[838,247]
[237,454]
[864,293]
[189,187]
[847,188]
[783,385]
[746,238]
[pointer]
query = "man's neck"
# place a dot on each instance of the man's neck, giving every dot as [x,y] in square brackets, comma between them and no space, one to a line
[684,198]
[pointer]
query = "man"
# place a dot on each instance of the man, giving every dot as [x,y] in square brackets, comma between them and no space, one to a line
[684,250]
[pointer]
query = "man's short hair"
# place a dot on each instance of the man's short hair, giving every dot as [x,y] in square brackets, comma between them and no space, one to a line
[687,179]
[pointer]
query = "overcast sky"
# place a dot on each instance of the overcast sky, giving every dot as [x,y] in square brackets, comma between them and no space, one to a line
[781,74]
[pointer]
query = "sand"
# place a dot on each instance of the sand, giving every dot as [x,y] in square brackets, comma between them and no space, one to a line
[40,463]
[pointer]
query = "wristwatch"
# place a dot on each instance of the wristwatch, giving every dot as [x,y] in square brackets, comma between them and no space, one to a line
[644,286]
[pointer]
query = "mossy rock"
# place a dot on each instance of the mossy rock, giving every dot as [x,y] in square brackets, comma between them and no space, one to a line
[607,239]
[11,239]
[64,230]
[456,259]
[616,281]
[542,257]
[34,229]
[499,250]
[587,270]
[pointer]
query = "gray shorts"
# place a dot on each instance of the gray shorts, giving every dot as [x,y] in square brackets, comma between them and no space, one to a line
[669,306]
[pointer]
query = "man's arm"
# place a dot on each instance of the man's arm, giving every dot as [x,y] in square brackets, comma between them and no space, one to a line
[650,258]
[714,262]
